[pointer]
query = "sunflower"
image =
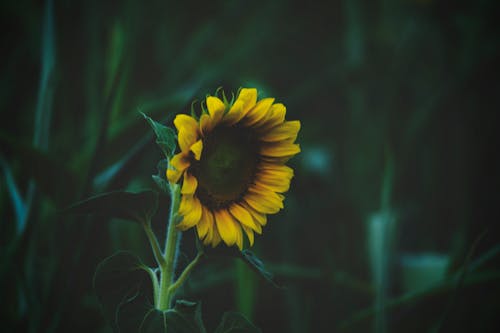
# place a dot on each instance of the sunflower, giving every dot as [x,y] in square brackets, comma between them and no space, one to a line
[232,166]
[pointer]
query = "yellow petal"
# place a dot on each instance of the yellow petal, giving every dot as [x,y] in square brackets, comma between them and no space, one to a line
[286,131]
[260,218]
[249,97]
[239,238]
[277,178]
[276,116]
[280,149]
[215,108]
[216,239]
[177,165]
[260,111]
[179,161]
[206,124]
[197,148]
[244,103]
[173,176]
[274,184]
[226,226]
[249,233]
[267,195]
[191,210]
[206,223]
[243,216]
[262,206]
[187,129]
[234,114]
[276,169]
[189,184]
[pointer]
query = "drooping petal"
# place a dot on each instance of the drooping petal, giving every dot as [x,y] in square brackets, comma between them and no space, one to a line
[280,149]
[239,238]
[216,239]
[191,211]
[189,184]
[206,223]
[227,226]
[197,148]
[243,216]
[187,129]
[285,131]
[215,108]
[249,233]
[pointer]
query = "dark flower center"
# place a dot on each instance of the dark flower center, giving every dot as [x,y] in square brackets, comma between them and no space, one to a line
[227,166]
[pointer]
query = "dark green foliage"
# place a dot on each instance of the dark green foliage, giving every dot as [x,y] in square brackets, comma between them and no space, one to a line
[122,285]
[43,167]
[124,291]
[161,178]
[139,207]
[399,108]
[247,256]
[234,322]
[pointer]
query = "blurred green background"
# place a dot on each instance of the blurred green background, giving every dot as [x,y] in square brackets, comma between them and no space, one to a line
[391,224]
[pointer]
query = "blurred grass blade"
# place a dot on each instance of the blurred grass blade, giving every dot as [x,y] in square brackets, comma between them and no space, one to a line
[246,289]
[115,54]
[105,177]
[43,169]
[43,111]
[15,196]
[45,93]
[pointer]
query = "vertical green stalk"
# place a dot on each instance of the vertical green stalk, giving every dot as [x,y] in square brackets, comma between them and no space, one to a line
[167,268]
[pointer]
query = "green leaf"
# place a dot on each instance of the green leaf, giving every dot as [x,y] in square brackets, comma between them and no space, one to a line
[124,291]
[121,284]
[160,178]
[165,136]
[185,317]
[235,322]
[258,266]
[138,207]
[248,258]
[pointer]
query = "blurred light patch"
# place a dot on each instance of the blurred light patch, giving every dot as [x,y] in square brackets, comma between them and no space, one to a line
[317,159]
[422,270]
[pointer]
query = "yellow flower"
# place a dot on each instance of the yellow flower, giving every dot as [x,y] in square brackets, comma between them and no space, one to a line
[232,164]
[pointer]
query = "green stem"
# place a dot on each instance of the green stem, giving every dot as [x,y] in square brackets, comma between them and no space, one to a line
[167,267]
[184,274]
[155,246]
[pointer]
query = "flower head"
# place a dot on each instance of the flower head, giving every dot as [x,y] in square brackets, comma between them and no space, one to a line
[232,166]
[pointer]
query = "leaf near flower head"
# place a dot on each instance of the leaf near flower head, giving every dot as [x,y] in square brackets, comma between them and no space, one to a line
[165,136]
